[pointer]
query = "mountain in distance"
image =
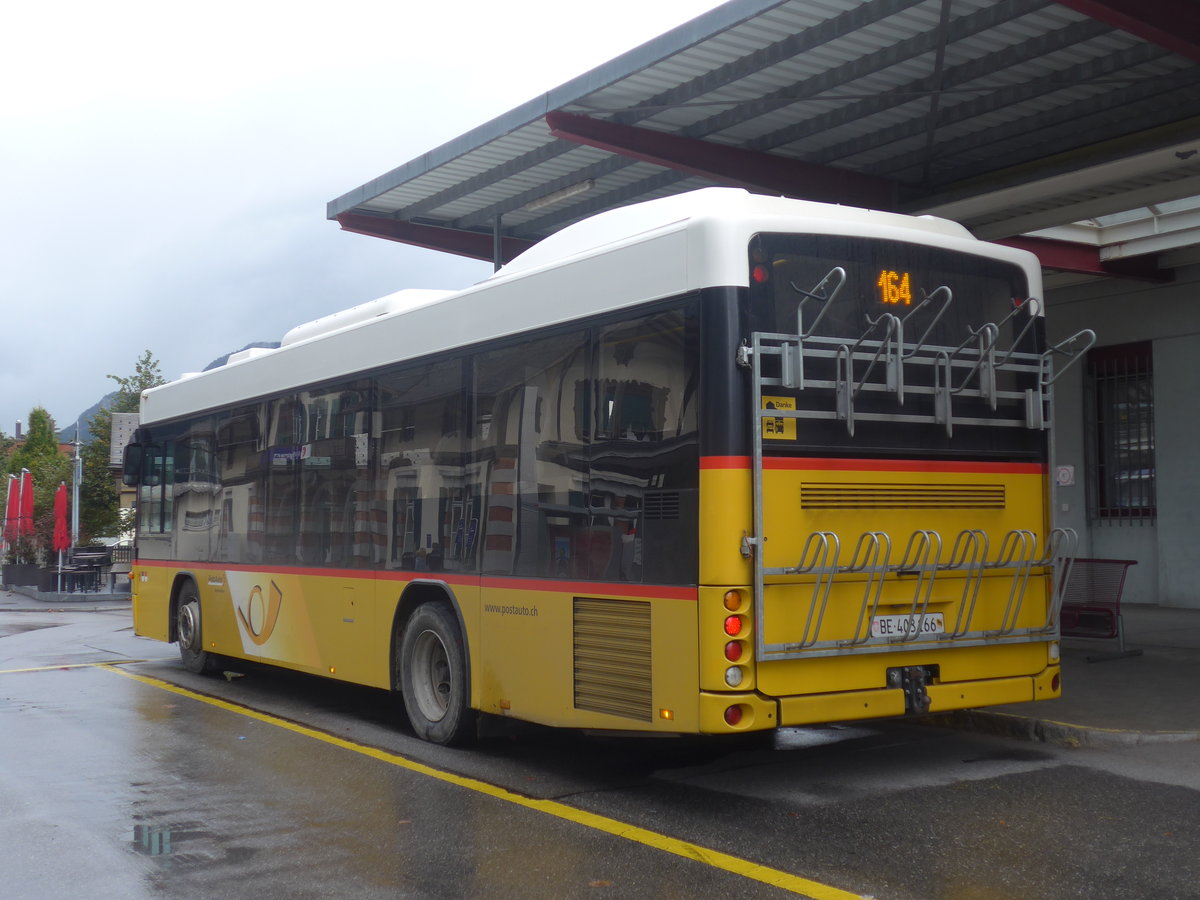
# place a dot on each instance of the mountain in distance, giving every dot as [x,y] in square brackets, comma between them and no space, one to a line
[67,434]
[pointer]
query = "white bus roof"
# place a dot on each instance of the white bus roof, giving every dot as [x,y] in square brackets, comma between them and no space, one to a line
[620,258]
[629,223]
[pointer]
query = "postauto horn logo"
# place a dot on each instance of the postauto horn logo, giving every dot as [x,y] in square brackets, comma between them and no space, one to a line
[259,617]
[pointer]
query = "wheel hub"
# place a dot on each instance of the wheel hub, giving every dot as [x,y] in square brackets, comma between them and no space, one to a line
[431,676]
[188,626]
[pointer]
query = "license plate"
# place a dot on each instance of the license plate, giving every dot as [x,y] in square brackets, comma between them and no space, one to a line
[907,626]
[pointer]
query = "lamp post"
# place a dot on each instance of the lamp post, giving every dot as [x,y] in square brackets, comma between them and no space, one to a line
[76,480]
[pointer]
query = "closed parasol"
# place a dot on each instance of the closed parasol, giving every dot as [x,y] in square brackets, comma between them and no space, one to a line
[62,531]
[62,534]
[25,514]
[12,509]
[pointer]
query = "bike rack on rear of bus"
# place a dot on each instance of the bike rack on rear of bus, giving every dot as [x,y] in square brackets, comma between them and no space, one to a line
[875,363]
[922,562]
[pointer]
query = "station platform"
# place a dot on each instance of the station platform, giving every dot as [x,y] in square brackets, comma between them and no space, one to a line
[1151,695]
[1148,697]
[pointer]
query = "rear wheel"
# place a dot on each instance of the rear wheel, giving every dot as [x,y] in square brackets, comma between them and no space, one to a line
[189,631]
[433,676]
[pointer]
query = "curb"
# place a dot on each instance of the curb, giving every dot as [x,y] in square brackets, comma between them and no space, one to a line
[18,599]
[1048,731]
[68,597]
[59,609]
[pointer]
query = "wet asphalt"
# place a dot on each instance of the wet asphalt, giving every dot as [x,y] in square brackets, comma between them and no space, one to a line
[262,783]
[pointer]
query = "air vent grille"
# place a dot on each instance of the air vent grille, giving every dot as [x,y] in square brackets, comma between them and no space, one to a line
[612,657]
[661,505]
[859,495]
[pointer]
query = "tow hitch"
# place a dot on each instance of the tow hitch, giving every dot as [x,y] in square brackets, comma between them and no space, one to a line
[912,680]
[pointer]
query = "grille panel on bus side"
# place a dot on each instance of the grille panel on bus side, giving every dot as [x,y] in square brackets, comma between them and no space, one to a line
[661,505]
[860,495]
[612,657]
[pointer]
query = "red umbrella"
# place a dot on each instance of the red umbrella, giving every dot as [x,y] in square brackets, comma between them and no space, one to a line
[62,534]
[12,509]
[25,520]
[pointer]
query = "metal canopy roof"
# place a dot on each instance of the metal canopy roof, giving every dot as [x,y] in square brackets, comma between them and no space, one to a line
[1007,115]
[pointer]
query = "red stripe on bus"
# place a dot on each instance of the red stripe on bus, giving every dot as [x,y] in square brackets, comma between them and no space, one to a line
[203,567]
[447,577]
[820,464]
[495,582]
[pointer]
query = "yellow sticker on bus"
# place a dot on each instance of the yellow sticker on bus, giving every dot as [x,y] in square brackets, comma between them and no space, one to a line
[779,428]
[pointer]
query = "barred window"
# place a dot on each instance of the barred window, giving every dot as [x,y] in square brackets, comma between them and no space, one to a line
[1120,404]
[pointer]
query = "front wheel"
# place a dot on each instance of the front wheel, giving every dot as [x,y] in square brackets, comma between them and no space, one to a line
[190,632]
[433,676]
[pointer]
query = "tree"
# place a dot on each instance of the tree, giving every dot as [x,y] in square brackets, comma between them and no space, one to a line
[145,375]
[99,501]
[40,440]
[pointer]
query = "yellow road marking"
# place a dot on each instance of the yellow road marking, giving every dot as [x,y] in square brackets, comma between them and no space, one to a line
[713,858]
[88,665]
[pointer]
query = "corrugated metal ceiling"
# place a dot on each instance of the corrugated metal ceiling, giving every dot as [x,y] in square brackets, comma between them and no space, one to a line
[948,102]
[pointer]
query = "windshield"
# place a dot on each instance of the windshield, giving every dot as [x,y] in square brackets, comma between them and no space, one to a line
[881,277]
[838,291]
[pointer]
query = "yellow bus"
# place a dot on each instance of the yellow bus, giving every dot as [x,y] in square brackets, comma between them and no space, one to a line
[708,464]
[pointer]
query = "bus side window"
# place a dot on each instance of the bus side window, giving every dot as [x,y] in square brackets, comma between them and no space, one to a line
[242,476]
[155,497]
[422,466]
[643,456]
[530,450]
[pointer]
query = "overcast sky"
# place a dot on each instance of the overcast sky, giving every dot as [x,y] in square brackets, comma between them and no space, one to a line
[165,167]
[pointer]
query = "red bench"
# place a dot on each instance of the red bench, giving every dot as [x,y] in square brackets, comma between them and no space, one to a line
[1091,606]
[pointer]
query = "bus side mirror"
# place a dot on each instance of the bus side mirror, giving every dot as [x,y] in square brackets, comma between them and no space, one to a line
[131,465]
[140,466]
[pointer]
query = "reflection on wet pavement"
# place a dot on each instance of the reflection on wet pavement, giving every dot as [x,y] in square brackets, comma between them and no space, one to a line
[151,840]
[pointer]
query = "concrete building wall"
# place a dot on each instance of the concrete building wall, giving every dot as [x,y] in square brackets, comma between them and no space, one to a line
[1168,315]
